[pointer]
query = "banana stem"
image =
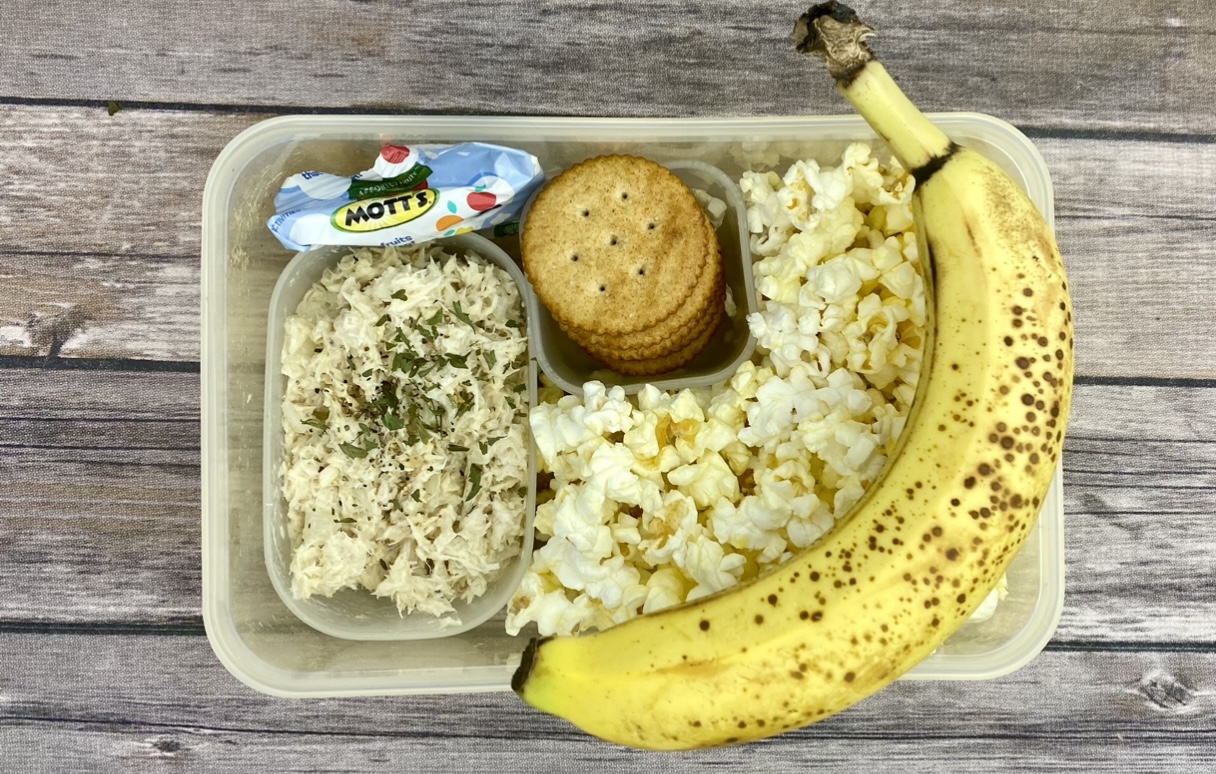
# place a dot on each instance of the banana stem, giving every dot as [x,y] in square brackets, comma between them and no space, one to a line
[832,30]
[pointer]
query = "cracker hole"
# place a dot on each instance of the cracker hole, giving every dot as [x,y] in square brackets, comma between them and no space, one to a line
[603,289]
[574,257]
[586,213]
[624,195]
[650,226]
[612,240]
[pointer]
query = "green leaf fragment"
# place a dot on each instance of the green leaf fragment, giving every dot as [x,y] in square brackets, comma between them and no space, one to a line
[474,481]
[350,450]
[113,106]
[383,319]
[400,296]
[455,447]
[388,396]
[393,422]
[490,358]
[459,314]
[487,443]
[317,423]
[464,402]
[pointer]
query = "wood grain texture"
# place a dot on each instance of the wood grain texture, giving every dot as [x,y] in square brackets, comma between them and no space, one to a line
[114,749]
[147,703]
[1139,478]
[118,478]
[99,479]
[76,181]
[1084,64]
[1133,221]
[100,306]
[99,231]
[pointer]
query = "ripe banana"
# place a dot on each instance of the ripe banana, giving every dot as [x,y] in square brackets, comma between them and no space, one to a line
[912,560]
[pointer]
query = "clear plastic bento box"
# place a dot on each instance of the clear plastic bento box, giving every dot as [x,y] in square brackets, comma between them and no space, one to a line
[253,632]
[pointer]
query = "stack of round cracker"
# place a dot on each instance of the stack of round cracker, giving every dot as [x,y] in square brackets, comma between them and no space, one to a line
[626,260]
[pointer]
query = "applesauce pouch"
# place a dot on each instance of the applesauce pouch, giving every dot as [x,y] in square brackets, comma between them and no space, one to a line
[412,194]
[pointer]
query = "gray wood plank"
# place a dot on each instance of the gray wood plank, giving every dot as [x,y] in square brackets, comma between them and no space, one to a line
[121,750]
[1082,64]
[99,479]
[150,702]
[1134,222]
[105,464]
[1137,250]
[77,182]
[99,235]
[100,306]
[1139,477]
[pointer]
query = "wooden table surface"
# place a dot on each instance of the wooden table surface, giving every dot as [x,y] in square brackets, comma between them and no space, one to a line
[104,663]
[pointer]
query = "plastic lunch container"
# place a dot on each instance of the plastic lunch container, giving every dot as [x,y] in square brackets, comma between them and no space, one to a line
[252,631]
[355,614]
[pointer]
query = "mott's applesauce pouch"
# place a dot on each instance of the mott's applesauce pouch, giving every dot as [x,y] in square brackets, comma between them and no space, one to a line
[411,194]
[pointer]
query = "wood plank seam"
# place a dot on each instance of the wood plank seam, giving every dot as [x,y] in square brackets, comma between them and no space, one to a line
[45,363]
[270,110]
[193,627]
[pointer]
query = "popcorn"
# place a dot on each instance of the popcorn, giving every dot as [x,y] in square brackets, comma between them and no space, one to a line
[670,497]
[667,530]
[987,608]
[751,526]
[665,588]
[766,215]
[542,601]
[779,406]
[565,425]
[706,481]
[709,564]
